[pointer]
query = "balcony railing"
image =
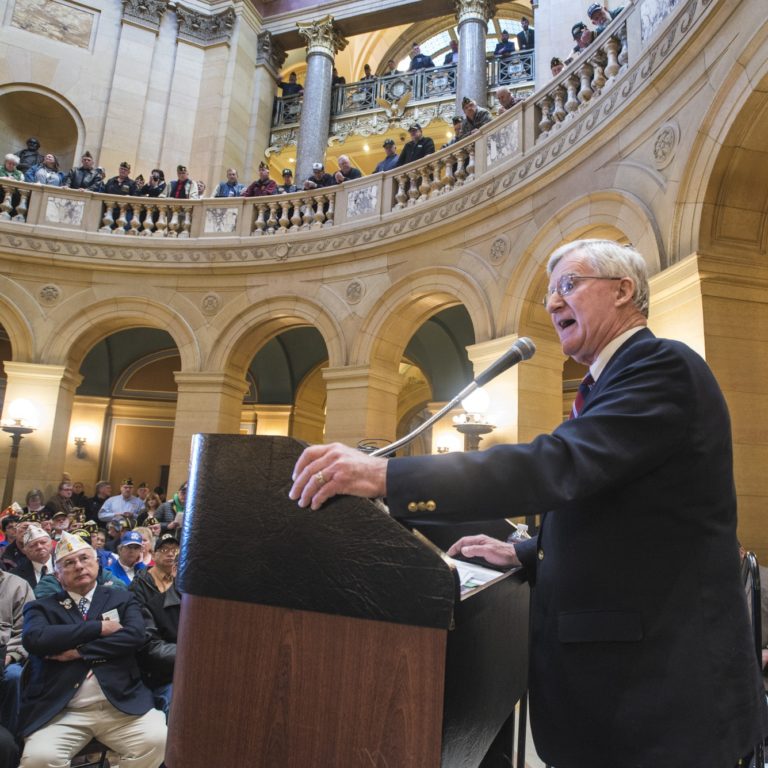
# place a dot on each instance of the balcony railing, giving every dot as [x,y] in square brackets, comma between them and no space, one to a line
[434,84]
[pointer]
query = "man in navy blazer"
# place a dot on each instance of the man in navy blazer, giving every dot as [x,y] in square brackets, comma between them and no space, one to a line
[641,653]
[83,681]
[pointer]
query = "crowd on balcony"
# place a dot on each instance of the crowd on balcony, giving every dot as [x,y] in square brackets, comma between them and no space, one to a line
[108,560]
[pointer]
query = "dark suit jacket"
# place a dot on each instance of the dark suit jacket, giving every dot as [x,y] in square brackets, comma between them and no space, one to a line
[640,644]
[50,627]
[524,44]
[26,571]
[415,150]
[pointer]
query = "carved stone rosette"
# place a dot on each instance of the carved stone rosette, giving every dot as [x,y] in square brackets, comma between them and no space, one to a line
[146,13]
[205,29]
[322,36]
[269,52]
[482,10]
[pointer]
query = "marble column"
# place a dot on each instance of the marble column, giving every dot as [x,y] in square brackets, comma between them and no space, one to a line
[208,401]
[472,73]
[323,42]
[42,455]
[361,403]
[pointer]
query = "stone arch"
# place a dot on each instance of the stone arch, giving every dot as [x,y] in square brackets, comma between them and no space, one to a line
[16,309]
[607,213]
[28,109]
[738,117]
[247,332]
[408,304]
[76,334]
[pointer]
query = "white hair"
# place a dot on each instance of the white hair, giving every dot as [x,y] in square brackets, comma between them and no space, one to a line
[13,158]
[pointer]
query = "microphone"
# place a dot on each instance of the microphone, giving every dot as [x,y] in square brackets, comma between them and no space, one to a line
[522,349]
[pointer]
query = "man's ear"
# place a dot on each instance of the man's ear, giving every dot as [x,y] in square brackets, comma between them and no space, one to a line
[625,291]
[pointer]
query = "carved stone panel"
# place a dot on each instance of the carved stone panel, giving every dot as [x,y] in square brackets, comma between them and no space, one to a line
[56,20]
[60,210]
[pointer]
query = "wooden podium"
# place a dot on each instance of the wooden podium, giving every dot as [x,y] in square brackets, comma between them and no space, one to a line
[329,639]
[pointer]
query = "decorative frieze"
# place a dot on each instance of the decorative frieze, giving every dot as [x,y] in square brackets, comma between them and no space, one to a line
[322,36]
[205,29]
[145,13]
[269,53]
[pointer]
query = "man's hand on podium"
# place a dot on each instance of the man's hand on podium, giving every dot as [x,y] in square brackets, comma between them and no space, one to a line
[490,549]
[323,471]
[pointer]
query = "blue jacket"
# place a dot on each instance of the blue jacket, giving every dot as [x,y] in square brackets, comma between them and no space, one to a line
[54,624]
[119,573]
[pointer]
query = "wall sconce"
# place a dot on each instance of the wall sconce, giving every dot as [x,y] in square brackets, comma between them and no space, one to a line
[473,423]
[22,421]
[80,447]
[443,449]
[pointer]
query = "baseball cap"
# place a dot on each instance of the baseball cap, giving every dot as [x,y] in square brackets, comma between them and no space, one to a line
[577,29]
[287,172]
[166,538]
[317,166]
[131,537]
[414,127]
[388,143]
[593,8]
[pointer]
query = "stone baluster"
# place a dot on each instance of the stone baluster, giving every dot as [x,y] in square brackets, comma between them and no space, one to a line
[624,52]
[612,52]
[401,195]
[21,208]
[558,111]
[470,162]
[320,201]
[173,223]
[598,81]
[6,207]
[545,107]
[460,172]
[437,172]
[296,215]
[121,219]
[323,43]
[413,187]
[259,224]
[108,220]
[450,179]
[424,182]
[272,220]
[161,225]
[585,75]
[147,224]
[572,104]
[186,221]
[331,207]
[308,212]
[135,225]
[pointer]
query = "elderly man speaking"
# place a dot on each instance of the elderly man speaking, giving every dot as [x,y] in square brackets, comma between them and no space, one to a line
[640,645]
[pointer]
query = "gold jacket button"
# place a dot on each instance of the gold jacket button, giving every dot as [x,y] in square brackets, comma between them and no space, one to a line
[541,554]
[431,506]
[422,506]
[412,506]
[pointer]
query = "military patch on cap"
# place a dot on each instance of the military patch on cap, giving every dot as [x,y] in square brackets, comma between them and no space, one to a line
[32,533]
[69,543]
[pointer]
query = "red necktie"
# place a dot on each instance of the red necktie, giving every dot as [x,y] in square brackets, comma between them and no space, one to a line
[578,403]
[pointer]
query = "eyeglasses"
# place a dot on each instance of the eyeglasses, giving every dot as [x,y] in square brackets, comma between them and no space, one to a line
[567,283]
[71,563]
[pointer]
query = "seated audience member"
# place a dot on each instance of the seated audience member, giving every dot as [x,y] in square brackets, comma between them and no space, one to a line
[155,589]
[292,87]
[155,187]
[61,501]
[84,681]
[452,57]
[390,157]
[287,186]
[346,171]
[79,499]
[37,550]
[30,156]
[474,117]
[418,147]
[142,491]
[13,551]
[129,554]
[419,60]
[124,503]
[10,169]
[182,187]
[525,37]
[147,544]
[601,17]
[505,47]
[231,187]
[102,491]
[171,512]
[319,177]
[86,176]
[61,522]
[122,184]
[263,185]
[151,505]
[48,172]
[506,99]
[15,593]
[556,65]
[8,525]
[391,68]
[34,503]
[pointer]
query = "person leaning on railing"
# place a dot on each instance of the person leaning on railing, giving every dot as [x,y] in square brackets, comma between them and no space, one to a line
[263,185]
[419,60]
[10,169]
[319,177]
[419,146]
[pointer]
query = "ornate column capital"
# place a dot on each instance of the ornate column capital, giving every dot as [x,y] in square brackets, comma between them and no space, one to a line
[205,29]
[269,52]
[322,36]
[481,10]
[145,13]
